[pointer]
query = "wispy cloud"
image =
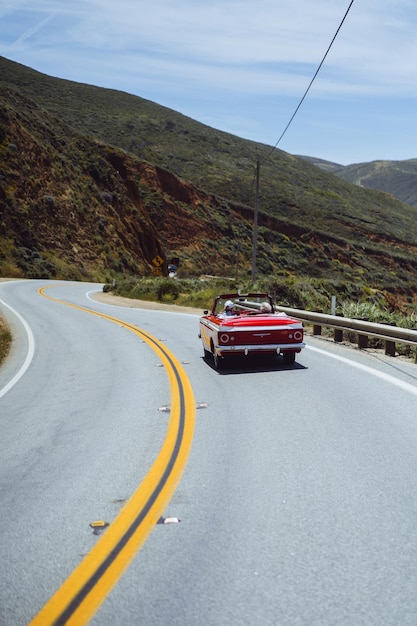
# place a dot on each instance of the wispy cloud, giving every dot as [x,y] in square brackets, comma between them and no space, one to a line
[30,32]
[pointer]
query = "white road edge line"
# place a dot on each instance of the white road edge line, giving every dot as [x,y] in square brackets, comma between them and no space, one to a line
[29,355]
[31,350]
[387,377]
[92,291]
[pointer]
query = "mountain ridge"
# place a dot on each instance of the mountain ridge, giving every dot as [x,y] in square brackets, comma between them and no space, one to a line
[398,178]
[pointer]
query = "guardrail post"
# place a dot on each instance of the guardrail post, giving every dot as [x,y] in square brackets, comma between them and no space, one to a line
[362,341]
[389,348]
[338,335]
[338,332]
[316,329]
[390,345]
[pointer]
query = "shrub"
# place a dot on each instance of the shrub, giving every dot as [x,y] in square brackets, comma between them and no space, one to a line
[168,290]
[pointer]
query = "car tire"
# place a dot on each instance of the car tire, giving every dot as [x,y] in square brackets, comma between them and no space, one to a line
[218,361]
[289,358]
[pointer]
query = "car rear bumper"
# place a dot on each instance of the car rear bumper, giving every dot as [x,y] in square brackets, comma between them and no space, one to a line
[266,348]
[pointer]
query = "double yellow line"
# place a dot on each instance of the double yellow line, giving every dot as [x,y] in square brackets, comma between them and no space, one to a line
[80,596]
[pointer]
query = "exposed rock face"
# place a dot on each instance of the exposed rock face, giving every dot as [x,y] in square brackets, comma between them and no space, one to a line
[68,201]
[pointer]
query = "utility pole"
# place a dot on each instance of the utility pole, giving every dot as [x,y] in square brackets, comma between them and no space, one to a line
[255,224]
[237,252]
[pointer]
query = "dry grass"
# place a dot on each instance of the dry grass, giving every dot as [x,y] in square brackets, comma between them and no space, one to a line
[5,340]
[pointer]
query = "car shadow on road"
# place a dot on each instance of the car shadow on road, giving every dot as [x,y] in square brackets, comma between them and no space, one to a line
[254,365]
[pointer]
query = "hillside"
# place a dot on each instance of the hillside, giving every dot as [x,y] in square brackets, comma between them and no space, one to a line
[72,207]
[101,181]
[398,178]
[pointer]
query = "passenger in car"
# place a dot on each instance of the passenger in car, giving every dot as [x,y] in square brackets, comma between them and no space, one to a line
[228,308]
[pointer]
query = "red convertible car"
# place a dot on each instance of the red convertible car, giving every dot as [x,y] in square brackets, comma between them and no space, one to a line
[240,325]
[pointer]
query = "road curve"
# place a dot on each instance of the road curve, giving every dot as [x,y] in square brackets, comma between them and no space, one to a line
[297,503]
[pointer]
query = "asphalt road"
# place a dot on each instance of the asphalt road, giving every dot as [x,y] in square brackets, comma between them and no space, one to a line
[297,506]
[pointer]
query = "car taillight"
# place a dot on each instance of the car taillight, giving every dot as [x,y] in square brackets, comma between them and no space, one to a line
[298,335]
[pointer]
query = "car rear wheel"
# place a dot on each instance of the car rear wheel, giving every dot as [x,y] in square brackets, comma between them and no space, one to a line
[217,360]
[289,357]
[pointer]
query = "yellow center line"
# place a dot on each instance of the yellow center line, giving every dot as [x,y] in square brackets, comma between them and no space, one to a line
[80,596]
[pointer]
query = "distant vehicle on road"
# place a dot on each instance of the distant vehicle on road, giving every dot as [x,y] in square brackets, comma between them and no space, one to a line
[240,325]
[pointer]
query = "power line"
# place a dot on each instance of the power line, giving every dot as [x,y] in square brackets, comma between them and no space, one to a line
[311,82]
[255,231]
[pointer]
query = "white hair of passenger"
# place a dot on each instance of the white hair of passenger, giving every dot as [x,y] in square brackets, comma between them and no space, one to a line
[266,307]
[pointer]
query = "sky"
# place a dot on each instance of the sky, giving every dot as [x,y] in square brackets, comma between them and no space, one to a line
[242,66]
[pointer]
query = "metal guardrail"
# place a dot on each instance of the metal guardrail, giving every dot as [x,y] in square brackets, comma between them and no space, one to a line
[364,329]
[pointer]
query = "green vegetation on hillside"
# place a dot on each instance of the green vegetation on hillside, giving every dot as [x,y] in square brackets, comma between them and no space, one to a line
[397,178]
[198,199]
[65,210]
